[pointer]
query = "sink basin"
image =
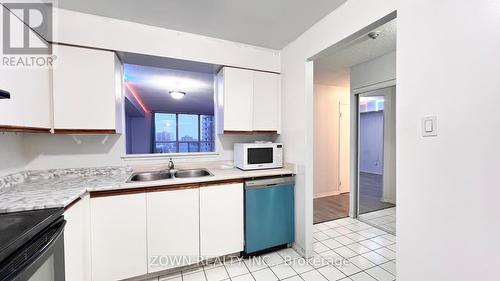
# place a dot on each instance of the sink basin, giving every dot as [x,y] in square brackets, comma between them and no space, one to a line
[192,173]
[150,176]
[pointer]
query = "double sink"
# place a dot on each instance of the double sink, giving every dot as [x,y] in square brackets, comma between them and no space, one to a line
[169,174]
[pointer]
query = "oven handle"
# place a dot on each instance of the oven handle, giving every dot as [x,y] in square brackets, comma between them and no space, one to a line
[42,250]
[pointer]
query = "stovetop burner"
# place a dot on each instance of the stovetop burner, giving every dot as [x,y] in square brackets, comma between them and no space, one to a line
[18,227]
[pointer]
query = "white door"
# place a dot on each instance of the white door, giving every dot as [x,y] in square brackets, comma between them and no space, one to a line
[266,108]
[238,99]
[173,228]
[221,219]
[344,140]
[118,236]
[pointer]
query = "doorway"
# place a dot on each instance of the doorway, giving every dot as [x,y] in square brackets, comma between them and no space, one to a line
[341,74]
[331,152]
[376,158]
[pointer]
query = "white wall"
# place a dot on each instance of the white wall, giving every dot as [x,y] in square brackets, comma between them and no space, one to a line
[378,70]
[62,151]
[11,153]
[297,114]
[95,31]
[327,101]
[448,66]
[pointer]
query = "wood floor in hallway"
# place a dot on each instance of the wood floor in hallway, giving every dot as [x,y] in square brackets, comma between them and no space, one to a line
[331,207]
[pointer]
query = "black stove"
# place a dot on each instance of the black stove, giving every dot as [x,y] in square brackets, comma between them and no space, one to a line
[19,227]
[25,238]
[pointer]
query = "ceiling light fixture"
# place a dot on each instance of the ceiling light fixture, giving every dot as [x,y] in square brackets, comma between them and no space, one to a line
[177,95]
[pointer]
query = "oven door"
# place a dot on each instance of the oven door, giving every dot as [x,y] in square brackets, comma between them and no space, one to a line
[40,259]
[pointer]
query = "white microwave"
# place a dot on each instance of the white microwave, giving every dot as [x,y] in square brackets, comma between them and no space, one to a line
[254,156]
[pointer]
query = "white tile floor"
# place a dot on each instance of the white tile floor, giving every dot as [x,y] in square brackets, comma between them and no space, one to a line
[345,249]
[385,219]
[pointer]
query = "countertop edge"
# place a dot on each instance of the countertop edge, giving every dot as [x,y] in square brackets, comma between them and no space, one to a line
[170,182]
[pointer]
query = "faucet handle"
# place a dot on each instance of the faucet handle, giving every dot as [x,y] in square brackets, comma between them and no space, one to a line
[171,165]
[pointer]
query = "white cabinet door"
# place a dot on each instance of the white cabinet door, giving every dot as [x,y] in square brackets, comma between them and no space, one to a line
[266,101]
[221,219]
[118,233]
[29,88]
[77,241]
[84,89]
[238,99]
[173,228]
[29,103]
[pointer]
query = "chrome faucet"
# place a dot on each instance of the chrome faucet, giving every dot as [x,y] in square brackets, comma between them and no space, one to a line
[171,165]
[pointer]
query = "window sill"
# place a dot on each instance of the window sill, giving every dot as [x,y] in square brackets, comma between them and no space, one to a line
[163,156]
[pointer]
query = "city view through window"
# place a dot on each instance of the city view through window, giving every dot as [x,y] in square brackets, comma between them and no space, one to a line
[177,133]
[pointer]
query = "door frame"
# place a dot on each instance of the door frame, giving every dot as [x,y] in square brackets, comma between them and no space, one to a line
[354,171]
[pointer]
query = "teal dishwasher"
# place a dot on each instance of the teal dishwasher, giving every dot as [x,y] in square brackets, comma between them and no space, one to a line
[269,213]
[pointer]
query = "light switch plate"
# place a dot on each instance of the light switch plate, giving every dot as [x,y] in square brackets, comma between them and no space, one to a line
[429,126]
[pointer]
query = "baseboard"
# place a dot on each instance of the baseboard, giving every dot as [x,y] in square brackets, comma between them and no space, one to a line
[378,174]
[326,194]
[388,200]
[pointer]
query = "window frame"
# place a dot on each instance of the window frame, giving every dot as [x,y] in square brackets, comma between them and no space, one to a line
[177,141]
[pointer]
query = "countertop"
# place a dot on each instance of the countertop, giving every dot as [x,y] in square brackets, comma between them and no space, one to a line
[32,190]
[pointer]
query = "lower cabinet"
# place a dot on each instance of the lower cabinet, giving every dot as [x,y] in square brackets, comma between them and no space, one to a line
[173,228]
[77,241]
[136,232]
[221,219]
[118,233]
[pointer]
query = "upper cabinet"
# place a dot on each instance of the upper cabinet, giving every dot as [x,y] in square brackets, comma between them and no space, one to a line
[86,91]
[28,108]
[266,101]
[247,101]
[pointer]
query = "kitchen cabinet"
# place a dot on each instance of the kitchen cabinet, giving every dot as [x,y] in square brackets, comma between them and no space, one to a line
[247,101]
[77,240]
[221,224]
[173,227]
[86,91]
[236,90]
[266,101]
[118,235]
[28,109]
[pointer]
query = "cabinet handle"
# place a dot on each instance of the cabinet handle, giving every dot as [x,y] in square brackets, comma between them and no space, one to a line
[4,94]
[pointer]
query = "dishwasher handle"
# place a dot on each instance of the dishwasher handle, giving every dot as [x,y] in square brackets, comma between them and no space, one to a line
[262,183]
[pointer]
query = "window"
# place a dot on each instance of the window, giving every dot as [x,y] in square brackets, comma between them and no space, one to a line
[159,122]
[182,133]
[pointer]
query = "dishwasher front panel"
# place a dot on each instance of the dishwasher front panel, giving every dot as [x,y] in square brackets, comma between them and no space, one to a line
[269,216]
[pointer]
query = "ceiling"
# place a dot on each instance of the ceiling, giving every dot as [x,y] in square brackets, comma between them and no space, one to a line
[271,24]
[334,69]
[153,84]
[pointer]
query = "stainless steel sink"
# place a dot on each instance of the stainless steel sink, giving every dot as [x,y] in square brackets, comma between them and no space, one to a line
[150,176]
[163,175]
[192,173]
